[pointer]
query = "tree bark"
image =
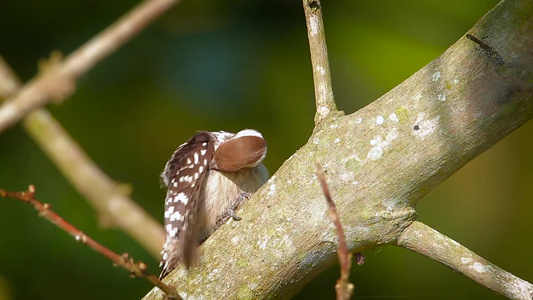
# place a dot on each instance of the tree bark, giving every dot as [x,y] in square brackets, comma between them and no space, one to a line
[379,161]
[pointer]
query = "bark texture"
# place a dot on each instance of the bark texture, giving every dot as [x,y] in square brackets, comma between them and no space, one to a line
[379,161]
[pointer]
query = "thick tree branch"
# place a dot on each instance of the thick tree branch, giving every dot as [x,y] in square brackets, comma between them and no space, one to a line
[112,203]
[380,161]
[137,269]
[428,242]
[325,103]
[58,79]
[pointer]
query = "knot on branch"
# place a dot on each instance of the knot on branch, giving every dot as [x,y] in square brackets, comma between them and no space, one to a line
[81,237]
[492,53]
[314,5]
[58,84]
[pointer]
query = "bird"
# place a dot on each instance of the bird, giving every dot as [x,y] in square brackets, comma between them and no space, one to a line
[208,178]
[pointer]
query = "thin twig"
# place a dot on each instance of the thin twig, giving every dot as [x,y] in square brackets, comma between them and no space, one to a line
[111,202]
[325,103]
[136,269]
[424,240]
[58,79]
[343,287]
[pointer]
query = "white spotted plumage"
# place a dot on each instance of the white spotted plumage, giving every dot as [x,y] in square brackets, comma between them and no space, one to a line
[207,177]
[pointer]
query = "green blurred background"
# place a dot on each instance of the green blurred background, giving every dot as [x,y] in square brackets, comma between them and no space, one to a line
[230,65]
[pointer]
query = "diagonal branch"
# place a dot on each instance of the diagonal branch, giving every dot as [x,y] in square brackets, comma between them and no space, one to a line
[381,161]
[136,269]
[58,80]
[325,103]
[428,242]
[114,206]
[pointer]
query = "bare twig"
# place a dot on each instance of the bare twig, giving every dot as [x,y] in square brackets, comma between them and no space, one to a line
[111,202]
[325,103]
[58,79]
[343,287]
[433,244]
[136,269]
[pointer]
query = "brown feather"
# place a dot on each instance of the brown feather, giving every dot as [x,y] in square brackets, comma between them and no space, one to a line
[236,154]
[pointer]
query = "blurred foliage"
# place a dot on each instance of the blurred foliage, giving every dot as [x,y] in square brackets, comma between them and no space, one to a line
[228,65]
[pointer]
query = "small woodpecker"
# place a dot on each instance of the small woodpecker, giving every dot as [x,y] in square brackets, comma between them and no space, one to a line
[207,179]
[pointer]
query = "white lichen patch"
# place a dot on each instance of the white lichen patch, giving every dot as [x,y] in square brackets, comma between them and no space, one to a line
[424,127]
[321,70]
[441,97]
[379,120]
[333,126]
[358,120]
[375,141]
[337,140]
[435,76]
[323,110]
[394,118]
[380,144]
[479,267]
[262,243]
[466,260]
[313,22]
[375,153]
[353,156]
[455,81]
[235,240]
[316,141]
[271,190]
